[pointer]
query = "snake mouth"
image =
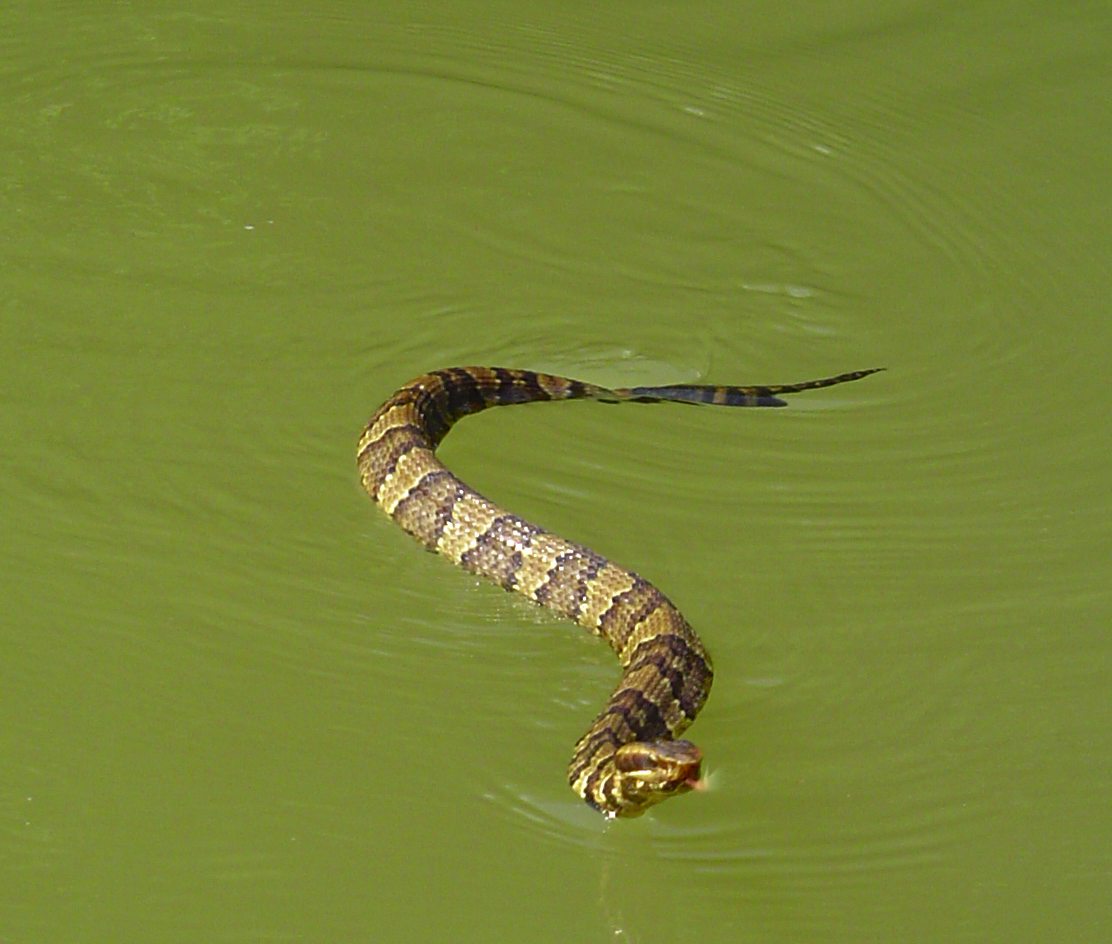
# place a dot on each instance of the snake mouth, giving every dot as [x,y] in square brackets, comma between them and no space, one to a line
[692,778]
[688,775]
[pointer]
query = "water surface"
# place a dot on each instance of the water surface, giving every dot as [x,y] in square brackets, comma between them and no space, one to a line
[241,704]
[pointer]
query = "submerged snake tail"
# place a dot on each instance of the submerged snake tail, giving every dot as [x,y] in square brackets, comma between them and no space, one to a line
[756,395]
[630,757]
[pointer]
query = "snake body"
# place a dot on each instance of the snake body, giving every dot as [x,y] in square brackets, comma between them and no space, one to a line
[630,758]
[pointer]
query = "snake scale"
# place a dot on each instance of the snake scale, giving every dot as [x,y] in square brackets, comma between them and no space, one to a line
[631,757]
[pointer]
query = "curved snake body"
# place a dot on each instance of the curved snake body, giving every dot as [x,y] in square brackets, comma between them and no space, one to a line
[630,757]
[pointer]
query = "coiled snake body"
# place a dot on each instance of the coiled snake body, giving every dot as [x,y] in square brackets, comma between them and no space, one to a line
[630,757]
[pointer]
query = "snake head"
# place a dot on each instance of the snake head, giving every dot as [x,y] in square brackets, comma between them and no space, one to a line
[647,772]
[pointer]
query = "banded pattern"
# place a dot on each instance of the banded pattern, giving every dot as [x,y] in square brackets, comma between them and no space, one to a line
[630,757]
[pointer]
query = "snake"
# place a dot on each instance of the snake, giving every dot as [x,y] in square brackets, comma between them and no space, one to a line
[631,757]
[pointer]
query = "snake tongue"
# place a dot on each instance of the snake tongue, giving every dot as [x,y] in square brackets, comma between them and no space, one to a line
[696,784]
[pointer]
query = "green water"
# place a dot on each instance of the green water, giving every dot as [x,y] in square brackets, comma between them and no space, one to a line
[238,703]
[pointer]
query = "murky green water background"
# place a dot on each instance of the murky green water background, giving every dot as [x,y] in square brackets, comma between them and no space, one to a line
[238,703]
